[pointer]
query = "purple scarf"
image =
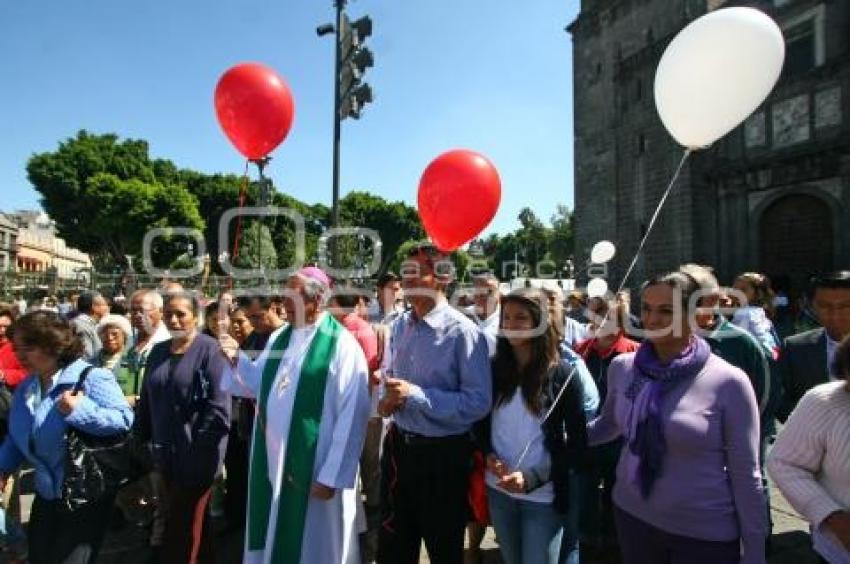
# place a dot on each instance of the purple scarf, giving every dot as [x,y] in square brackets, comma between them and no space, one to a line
[646,425]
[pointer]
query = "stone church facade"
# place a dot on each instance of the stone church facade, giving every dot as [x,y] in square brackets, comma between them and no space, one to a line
[772,196]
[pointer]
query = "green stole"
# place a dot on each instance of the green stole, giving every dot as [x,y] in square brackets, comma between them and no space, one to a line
[301,445]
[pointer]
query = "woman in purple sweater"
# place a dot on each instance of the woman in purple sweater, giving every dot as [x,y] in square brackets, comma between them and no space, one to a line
[688,486]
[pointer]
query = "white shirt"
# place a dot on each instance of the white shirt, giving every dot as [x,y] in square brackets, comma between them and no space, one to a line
[810,462]
[514,426]
[490,328]
[831,346]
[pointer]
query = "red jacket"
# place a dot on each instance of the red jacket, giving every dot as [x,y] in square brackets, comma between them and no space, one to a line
[9,365]
[621,345]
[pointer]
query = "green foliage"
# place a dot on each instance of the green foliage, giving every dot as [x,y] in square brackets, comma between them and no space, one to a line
[531,244]
[563,236]
[256,248]
[105,193]
[395,222]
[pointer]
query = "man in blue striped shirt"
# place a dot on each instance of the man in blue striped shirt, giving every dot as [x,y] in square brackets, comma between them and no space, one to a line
[437,383]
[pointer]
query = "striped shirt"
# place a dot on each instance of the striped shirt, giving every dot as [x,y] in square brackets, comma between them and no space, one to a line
[810,462]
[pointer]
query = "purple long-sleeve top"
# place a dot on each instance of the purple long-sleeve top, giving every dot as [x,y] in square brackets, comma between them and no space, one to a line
[710,486]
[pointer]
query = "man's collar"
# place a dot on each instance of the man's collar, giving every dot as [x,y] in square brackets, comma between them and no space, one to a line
[494,315]
[437,316]
[320,316]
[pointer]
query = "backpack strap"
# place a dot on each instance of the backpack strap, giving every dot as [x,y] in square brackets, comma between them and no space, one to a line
[79,385]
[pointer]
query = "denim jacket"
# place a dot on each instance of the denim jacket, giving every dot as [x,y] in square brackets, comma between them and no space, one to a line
[37,429]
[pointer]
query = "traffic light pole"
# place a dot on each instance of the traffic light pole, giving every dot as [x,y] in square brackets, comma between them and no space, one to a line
[340,5]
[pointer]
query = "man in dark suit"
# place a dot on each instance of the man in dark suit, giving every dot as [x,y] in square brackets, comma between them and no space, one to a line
[806,359]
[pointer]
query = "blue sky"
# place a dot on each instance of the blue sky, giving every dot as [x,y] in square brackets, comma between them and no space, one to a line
[493,76]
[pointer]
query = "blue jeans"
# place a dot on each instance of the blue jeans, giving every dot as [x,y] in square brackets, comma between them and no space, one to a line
[569,541]
[529,532]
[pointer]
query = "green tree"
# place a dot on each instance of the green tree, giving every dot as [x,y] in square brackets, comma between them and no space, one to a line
[503,253]
[530,244]
[533,239]
[316,219]
[563,238]
[256,248]
[395,222]
[104,195]
[215,193]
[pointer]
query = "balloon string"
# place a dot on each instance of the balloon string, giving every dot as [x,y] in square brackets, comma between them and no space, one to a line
[653,220]
[243,188]
[619,289]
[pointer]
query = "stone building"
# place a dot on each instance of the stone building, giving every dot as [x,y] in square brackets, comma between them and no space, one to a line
[8,243]
[35,242]
[39,250]
[772,196]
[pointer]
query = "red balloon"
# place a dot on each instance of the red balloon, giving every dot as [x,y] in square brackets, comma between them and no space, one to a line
[254,108]
[459,194]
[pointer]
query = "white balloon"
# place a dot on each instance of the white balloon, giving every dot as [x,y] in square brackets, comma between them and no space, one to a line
[596,288]
[716,72]
[602,252]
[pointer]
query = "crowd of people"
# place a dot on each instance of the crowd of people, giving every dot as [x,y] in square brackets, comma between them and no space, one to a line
[330,423]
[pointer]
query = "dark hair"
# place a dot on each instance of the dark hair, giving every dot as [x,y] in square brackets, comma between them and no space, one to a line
[387,278]
[210,310]
[264,301]
[841,361]
[545,353]
[426,248]
[118,308]
[345,299]
[434,256]
[85,301]
[238,309]
[49,332]
[8,311]
[184,295]
[681,281]
[837,280]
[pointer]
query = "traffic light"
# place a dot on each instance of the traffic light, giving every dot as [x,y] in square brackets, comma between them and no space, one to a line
[355,58]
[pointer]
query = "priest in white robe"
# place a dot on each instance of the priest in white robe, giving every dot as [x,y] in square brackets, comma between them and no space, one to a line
[311,385]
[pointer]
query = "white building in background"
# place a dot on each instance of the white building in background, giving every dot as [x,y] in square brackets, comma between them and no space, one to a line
[69,262]
[8,244]
[39,249]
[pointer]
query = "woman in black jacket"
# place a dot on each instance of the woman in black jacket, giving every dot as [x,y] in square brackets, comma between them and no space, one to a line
[532,448]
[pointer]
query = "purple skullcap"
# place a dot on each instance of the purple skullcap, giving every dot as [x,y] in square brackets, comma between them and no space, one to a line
[315,273]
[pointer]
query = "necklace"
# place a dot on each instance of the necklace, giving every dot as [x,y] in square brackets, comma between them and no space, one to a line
[288,364]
